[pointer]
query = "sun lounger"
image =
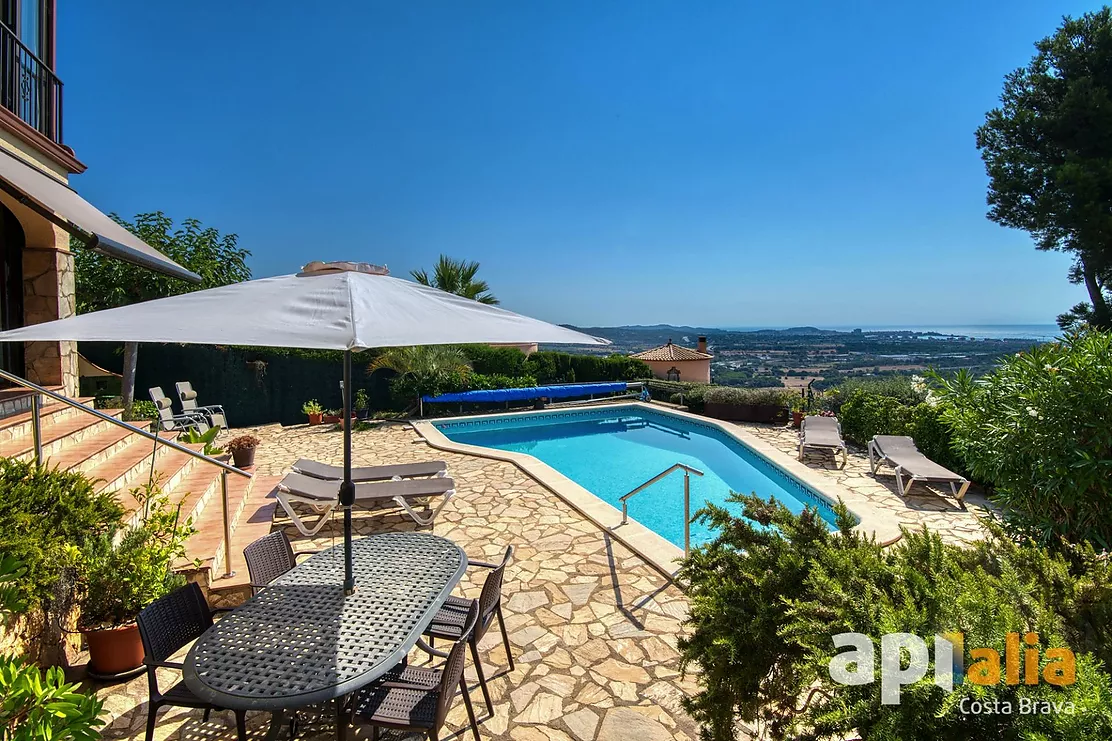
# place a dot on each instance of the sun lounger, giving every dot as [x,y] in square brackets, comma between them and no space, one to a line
[214,413]
[900,452]
[171,422]
[398,472]
[824,433]
[324,496]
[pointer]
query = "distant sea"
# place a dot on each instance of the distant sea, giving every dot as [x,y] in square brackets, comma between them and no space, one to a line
[1040,332]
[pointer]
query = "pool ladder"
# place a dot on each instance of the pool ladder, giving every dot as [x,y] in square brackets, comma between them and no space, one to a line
[687,471]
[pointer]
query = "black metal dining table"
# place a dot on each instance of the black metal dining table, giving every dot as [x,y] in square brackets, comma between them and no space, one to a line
[301,641]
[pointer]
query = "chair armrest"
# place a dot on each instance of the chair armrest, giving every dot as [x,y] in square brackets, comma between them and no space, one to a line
[163,664]
[430,650]
[218,610]
[299,554]
[482,564]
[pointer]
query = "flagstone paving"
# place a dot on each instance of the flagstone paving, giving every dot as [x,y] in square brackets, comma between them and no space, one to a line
[593,627]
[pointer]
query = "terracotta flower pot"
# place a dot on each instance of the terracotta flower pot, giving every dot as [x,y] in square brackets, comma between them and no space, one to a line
[797,418]
[315,419]
[114,650]
[244,458]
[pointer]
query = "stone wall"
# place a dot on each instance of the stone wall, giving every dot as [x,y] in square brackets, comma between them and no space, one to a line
[48,294]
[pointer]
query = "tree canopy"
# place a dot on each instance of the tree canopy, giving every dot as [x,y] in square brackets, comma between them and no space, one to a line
[106,282]
[458,277]
[1048,154]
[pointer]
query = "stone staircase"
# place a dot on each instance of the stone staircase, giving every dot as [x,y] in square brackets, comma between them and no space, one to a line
[120,460]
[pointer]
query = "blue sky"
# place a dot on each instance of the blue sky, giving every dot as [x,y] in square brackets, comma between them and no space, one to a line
[713,163]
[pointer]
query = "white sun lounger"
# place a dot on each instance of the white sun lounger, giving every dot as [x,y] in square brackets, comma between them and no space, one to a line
[397,472]
[324,496]
[824,433]
[900,452]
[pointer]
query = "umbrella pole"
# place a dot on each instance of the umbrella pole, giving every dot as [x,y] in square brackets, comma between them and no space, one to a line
[347,488]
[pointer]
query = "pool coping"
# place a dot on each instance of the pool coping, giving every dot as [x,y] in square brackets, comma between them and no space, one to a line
[657,551]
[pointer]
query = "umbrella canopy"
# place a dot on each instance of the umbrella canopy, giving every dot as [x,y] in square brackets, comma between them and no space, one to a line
[328,306]
[324,307]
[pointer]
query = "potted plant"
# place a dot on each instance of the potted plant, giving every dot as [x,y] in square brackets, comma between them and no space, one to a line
[119,579]
[313,410]
[332,416]
[242,449]
[362,404]
[799,410]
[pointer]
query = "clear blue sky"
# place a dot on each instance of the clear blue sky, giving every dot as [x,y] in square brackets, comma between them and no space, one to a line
[713,163]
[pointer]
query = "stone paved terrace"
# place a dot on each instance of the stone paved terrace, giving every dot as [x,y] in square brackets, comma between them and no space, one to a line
[593,627]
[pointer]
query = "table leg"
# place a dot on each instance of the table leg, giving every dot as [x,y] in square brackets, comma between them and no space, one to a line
[277,720]
[341,719]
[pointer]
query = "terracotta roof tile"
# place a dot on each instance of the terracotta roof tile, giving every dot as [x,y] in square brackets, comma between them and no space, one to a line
[670,352]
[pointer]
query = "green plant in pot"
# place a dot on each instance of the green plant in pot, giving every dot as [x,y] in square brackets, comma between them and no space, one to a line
[313,410]
[242,449]
[121,573]
[194,437]
[362,403]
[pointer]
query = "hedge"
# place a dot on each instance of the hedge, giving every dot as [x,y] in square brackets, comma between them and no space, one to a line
[561,367]
[753,396]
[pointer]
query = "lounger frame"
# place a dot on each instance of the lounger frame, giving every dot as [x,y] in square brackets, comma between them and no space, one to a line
[324,508]
[877,456]
[824,446]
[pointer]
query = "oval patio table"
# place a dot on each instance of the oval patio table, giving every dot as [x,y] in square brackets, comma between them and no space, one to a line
[301,641]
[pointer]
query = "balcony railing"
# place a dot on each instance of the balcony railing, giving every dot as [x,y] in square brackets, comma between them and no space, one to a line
[29,88]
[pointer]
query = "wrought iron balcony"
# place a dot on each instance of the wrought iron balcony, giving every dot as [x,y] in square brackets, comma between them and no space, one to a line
[29,88]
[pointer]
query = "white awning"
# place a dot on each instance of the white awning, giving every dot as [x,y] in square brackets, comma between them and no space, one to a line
[57,202]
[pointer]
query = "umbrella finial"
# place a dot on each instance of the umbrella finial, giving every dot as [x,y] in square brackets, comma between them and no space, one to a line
[318,267]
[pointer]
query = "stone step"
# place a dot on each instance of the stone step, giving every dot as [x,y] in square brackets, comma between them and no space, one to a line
[18,425]
[253,503]
[16,400]
[57,434]
[132,466]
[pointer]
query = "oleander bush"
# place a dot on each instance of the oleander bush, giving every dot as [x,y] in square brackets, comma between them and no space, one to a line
[908,390]
[770,592]
[1040,428]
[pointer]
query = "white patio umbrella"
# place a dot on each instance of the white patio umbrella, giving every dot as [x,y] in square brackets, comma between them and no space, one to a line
[330,306]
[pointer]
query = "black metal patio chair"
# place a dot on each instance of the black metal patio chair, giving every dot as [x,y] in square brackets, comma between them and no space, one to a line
[415,699]
[269,557]
[450,621]
[165,626]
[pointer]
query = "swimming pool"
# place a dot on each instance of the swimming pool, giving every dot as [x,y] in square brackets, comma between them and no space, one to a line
[609,451]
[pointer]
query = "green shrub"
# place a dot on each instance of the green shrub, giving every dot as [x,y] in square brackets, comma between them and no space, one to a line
[770,592]
[560,367]
[866,414]
[495,361]
[38,705]
[1040,428]
[141,411]
[480,382]
[407,389]
[43,514]
[755,396]
[906,389]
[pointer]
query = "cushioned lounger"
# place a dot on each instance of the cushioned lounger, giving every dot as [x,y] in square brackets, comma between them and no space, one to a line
[824,433]
[901,453]
[320,470]
[324,496]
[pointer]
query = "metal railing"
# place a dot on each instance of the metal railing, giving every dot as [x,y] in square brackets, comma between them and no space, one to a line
[28,87]
[687,471]
[225,468]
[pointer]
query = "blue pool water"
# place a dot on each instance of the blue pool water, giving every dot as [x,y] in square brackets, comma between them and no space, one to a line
[611,451]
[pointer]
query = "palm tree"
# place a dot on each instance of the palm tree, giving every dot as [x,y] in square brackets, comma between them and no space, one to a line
[458,277]
[423,361]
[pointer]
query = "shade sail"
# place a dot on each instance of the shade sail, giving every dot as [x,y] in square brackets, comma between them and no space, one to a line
[58,203]
[332,310]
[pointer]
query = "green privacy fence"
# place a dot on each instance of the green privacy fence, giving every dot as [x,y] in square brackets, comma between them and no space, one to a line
[255,386]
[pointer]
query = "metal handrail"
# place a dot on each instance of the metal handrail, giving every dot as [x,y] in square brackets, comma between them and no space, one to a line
[687,471]
[37,435]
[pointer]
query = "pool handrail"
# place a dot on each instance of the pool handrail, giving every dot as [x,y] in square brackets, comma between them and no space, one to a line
[687,471]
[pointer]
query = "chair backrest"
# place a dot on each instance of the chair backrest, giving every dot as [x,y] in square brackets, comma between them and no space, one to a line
[268,558]
[169,623]
[187,395]
[452,672]
[491,596]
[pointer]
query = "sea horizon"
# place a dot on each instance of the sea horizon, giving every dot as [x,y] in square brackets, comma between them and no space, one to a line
[1040,332]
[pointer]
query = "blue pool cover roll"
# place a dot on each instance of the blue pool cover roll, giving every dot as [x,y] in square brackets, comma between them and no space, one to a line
[532,392]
